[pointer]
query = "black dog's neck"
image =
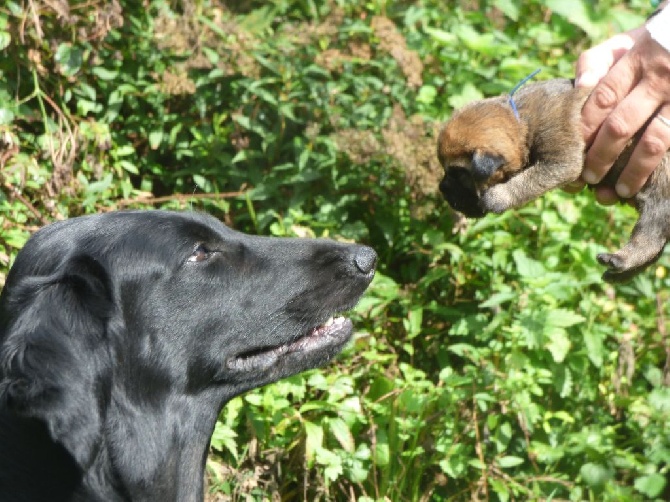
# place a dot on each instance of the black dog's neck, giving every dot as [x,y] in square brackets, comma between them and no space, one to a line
[40,468]
[170,467]
[169,463]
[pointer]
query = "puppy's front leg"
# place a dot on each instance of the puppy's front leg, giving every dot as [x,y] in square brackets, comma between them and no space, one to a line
[532,183]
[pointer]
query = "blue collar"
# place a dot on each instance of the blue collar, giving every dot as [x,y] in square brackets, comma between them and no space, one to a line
[516,88]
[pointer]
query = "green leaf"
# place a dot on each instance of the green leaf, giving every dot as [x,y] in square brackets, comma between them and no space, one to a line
[509,8]
[500,488]
[498,299]
[155,139]
[527,267]
[577,12]
[596,475]
[224,438]
[595,349]
[441,36]
[124,150]
[100,186]
[563,318]
[6,116]
[467,94]
[342,433]
[382,450]
[455,466]
[331,461]
[652,486]
[5,39]
[510,461]
[357,466]
[427,95]
[558,344]
[313,440]
[464,350]
[85,106]
[484,42]
[254,398]
[69,58]
[413,322]
[477,464]
[129,166]
[660,399]
[104,73]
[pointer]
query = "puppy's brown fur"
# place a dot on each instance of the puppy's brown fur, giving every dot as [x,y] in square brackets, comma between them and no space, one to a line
[494,161]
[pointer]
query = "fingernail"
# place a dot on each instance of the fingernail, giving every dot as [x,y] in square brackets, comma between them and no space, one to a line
[622,190]
[590,177]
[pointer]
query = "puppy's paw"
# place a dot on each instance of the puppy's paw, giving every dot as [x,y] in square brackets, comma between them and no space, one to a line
[611,261]
[496,200]
[619,277]
[618,269]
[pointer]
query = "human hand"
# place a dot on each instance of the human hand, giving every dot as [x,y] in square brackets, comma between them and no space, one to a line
[630,74]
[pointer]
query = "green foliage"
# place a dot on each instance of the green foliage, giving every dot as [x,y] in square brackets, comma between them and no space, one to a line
[491,362]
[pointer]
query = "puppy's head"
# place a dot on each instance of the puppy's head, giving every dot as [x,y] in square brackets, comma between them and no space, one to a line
[482,145]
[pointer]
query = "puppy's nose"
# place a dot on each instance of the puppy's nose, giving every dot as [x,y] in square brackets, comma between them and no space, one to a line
[365,259]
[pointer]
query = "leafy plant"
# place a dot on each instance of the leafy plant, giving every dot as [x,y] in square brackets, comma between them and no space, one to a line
[491,362]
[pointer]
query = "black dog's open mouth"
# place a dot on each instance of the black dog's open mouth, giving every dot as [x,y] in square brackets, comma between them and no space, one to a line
[324,340]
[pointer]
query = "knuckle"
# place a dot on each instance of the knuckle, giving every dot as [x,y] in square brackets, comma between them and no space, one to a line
[617,127]
[605,96]
[652,146]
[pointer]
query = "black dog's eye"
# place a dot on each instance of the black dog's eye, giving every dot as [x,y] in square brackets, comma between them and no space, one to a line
[200,253]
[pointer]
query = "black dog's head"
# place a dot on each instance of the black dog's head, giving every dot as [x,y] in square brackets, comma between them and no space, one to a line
[106,315]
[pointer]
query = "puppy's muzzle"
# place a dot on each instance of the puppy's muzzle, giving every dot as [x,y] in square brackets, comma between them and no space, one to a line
[459,190]
[460,186]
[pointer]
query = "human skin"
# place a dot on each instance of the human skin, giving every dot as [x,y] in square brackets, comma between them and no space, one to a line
[630,77]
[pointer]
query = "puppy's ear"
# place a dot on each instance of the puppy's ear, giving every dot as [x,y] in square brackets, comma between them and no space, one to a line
[54,352]
[485,164]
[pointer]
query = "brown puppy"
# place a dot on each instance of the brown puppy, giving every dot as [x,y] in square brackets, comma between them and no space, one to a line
[495,160]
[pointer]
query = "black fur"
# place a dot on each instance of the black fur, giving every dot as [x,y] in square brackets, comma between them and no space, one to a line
[458,189]
[485,164]
[122,335]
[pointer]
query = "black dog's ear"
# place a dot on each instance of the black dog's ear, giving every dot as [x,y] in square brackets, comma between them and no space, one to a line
[485,164]
[54,359]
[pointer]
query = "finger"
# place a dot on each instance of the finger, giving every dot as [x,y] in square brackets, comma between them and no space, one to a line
[594,63]
[647,155]
[617,129]
[606,196]
[609,92]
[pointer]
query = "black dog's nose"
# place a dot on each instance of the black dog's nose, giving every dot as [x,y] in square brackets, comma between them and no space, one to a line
[365,259]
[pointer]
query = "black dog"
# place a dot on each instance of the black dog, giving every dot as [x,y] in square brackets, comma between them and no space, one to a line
[122,335]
